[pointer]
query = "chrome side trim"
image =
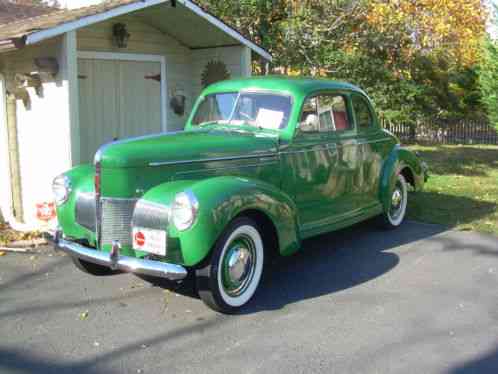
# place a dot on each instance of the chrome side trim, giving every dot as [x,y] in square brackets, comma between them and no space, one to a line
[226,168]
[227,158]
[374,141]
[124,263]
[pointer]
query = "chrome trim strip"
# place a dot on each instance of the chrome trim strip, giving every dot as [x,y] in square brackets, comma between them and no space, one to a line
[227,158]
[123,263]
[225,168]
[305,150]
[374,141]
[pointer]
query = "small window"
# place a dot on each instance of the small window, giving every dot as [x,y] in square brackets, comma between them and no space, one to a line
[364,119]
[309,118]
[333,113]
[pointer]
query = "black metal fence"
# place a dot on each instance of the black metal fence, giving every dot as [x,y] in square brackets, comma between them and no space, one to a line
[461,132]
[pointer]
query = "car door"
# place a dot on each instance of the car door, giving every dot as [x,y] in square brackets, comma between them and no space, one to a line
[372,149]
[310,166]
[335,109]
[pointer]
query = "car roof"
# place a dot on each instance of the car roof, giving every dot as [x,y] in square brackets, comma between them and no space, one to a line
[303,86]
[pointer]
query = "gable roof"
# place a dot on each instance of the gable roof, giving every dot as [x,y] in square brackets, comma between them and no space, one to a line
[35,29]
[12,12]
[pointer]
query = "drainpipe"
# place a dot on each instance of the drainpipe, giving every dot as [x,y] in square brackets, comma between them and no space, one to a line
[14,164]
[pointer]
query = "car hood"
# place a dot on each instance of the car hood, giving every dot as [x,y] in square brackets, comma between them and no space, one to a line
[185,146]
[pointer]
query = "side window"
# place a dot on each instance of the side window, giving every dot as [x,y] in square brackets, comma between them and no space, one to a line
[364,119]
[309,121]
[333,113]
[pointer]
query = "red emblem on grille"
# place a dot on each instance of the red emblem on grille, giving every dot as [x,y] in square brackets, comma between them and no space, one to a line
[140,238]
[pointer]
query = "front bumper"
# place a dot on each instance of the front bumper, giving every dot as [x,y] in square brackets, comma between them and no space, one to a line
[115,261]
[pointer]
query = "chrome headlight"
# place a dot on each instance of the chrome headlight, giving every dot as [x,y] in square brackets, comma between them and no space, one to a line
[61,187]
[184,210]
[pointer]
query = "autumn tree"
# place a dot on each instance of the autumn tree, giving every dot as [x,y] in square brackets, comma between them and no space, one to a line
[417,59]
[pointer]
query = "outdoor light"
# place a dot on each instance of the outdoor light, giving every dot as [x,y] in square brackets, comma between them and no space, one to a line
[120,35]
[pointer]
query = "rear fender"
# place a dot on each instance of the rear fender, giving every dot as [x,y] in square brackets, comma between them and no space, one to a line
[399,159]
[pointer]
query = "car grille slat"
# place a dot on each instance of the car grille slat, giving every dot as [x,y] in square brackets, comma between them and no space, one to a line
[116,220]
[150,215]
[86,210]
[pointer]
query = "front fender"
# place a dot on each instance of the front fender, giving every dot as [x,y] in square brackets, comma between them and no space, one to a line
[220,200]
[399,159]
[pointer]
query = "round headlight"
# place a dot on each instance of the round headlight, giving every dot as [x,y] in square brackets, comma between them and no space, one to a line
[184,210]
[61,188]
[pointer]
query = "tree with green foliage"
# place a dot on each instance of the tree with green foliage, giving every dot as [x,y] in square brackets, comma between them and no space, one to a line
[417,60]
[489,80]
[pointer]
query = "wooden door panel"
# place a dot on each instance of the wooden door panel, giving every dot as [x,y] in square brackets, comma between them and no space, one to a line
[98,105]
[139,99]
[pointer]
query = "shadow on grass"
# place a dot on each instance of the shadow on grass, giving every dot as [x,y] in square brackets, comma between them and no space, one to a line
[460,160]
[451,210]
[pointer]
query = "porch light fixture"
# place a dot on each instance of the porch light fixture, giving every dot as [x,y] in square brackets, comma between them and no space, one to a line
[120,35]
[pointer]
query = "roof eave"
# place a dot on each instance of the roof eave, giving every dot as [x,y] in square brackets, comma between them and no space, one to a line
[12,44]
[41,35]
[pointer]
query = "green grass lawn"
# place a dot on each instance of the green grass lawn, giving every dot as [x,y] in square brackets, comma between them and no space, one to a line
[462,190]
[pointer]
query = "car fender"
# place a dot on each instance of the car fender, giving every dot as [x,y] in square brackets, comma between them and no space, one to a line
[398,159]
[221,199]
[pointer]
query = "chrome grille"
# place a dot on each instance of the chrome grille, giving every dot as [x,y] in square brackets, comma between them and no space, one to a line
[85,210]
[150,215]
[116,220]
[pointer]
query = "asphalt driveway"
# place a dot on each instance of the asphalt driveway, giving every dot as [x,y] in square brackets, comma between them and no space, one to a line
[420,299]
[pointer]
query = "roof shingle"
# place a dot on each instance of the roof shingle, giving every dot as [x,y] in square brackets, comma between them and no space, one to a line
[12,12]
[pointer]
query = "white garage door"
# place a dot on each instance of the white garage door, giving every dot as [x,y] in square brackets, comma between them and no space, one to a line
[117,100]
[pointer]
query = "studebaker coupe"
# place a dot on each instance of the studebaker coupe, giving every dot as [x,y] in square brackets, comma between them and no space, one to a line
[263,163]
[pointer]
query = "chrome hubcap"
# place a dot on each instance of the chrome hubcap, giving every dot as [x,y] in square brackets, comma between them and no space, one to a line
[396,201]
[238,266]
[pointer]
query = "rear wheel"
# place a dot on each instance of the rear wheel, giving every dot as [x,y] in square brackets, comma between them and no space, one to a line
[395,214]
[91,268]
[233,273]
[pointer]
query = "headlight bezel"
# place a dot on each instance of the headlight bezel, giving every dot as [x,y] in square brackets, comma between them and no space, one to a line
[184,210]
[62,184]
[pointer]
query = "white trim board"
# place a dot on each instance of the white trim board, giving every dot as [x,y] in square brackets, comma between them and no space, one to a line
[5,164]
[38,36]
[137,57]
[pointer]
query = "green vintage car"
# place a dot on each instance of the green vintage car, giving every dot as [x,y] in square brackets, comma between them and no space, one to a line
[263,163]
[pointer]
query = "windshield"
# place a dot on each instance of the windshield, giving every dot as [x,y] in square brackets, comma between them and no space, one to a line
[263,110]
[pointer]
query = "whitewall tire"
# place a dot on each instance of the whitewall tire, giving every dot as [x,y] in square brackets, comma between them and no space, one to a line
[231,277]
[394,216]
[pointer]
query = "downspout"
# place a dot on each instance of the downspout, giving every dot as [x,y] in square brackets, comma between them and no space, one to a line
[14,163]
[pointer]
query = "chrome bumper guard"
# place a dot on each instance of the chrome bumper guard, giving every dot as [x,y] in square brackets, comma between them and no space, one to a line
[115,261]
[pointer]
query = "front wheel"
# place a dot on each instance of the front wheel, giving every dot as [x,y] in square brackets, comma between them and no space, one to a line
[233,273]
[395,214]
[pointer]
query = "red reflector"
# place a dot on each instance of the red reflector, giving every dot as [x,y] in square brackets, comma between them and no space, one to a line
[97,179]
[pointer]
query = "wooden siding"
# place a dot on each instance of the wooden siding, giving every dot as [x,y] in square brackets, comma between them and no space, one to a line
[146,39]
[233,57]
